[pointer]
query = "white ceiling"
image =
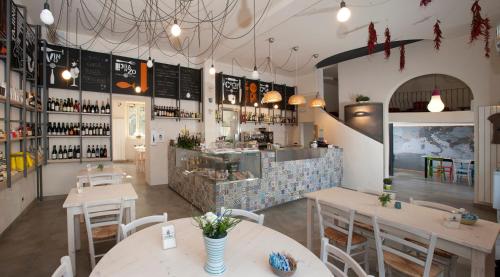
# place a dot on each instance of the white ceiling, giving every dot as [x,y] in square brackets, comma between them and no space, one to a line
[309,24]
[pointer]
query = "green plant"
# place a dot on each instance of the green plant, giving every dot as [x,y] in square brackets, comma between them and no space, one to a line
[100,167]
[361,97]
[384,199]
[216,227]
[387,181]
[187,141]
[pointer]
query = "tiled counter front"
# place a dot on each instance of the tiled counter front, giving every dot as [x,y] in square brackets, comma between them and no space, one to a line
[281,182]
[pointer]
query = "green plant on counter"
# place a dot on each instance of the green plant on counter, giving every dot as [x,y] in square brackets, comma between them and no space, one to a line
[384,199]
[362,98]
[187,141]
[100,167]
[387,181]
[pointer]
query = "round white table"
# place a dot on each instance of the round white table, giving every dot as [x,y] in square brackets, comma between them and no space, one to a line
[247,252]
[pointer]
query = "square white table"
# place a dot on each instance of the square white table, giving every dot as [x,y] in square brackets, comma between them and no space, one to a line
[74,207]
[475,243]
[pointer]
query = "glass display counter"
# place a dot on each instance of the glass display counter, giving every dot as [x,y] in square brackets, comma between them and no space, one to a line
[219,166]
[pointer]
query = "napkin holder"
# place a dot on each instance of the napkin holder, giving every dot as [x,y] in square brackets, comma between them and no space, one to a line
[168,236]
[452,220]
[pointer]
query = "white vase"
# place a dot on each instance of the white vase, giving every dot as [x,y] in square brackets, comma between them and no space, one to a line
[215,255]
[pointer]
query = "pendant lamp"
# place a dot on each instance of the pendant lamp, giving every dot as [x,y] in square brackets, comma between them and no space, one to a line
[271,96]
[296,99]
[435,105]
[317,102]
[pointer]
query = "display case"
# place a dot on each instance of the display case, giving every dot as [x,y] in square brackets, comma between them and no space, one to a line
[219,166]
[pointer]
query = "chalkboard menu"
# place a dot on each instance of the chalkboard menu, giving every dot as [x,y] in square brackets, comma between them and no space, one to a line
[95,71]
[289,92]
[16,36]
[129,73]
[59,58]
[230,90]
[251,92]
[166,80]
[190,84]
[3,21]
[31,44]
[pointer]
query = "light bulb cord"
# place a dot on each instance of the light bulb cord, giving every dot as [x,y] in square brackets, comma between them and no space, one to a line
[254,43]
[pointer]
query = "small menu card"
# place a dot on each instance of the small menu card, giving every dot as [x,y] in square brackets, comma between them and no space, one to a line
[168,236]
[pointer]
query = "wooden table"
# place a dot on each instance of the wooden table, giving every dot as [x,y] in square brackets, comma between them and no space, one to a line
[247,252]
[114,172]
[475,243]
[74,207]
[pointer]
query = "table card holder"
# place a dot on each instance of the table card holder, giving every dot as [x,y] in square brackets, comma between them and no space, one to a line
[168,236]
[452,220]
[79,187]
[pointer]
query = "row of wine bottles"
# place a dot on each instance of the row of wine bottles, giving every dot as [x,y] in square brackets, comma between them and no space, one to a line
[74,129]
[71,105]
[74,152]
[166,111]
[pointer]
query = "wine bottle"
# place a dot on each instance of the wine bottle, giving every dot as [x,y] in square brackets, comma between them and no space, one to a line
[108,107]
[54,153]
[89,153]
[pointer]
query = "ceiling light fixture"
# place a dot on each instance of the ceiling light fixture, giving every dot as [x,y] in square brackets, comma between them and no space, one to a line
[255,72]
[344,13]
[175,30]
[46,15]
[317,102]
[212,68]
[296,99]
[66,75]
[149,63]
[271,96]
[138,88]
[436,105]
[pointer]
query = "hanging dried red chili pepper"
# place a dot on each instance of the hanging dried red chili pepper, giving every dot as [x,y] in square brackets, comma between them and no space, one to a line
[387,43]
[402,57]
[487,27]
[438,35]
[477,21]
[425,2]
[372,38]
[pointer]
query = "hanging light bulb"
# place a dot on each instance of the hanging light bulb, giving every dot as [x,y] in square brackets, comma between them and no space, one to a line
[344,13]
[212,70]
[436,105]
[66,74]
[276,106]
[46,15]
[256,104]
[137,89]
[175,30]
[149,63]
[255,73]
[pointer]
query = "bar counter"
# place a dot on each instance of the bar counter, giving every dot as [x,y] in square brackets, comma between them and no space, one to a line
[252,180]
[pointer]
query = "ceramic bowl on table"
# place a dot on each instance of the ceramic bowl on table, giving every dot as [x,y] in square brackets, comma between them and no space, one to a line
[469,219]
[276,261]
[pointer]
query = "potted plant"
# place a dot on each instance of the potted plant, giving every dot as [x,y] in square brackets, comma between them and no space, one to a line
[100,167]
[387,184]
[384,199]
[362,98]
[215,229]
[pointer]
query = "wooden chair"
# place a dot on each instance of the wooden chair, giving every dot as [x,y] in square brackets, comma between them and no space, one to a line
[65,269]
[329,250]
[440,169]
[126,229]
[462,168]
[389,254]
[336,223]
[443,257]
[102,220]
[259,218]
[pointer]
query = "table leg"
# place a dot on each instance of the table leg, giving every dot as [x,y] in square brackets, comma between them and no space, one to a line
[70,218]
[426,167]
[309,223]
[77,231]
[482,264]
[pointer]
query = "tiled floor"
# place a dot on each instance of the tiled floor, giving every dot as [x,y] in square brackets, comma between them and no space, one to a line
[34,244]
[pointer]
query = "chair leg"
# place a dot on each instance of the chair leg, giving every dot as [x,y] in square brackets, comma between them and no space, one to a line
[367,264]
[452,270]
[389,271]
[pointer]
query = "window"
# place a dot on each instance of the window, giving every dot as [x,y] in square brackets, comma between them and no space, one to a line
[136,116]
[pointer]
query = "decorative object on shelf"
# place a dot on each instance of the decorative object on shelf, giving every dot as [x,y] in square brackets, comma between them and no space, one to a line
[317,102]
[362,99]
[344,13]
[425,2]
[438,35]
[372,38]
[384,199]
[435,104]
[387,184]
[402,58]
[215,229]
[387,43]
[282,264]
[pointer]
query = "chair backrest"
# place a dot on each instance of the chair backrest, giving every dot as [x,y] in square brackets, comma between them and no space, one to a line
[65,269]
[259,218]
[328,250]
[105,179]
[125,229]
[337,217]
[387,240]
[433,205]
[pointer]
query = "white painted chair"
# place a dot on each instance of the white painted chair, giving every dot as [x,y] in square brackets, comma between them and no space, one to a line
[336,223]
[443,257]
[389,244]
[102,220]
[103,180]
[462,168]
[65,269]
[329,250]
[127,229]
[259,218]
